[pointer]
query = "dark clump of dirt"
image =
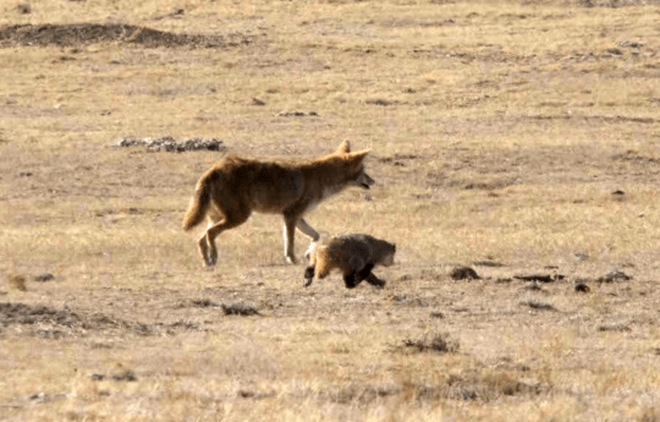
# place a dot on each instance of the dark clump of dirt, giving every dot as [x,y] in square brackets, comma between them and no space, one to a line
[542,278]
[69,35]
[239,308]
[204,303]
[42,278]
[287,113]
[464,273]
[256,395]
[614,276]
[55,323]
[537,304]
[581,287]
[126,375]
[19,313]
[620,326]
[123,375]
[487,263]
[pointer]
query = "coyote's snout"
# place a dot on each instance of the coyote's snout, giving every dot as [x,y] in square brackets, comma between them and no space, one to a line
[230,191]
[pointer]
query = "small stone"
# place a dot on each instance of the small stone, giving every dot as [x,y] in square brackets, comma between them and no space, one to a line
[44,277]
[581,256]
[615,275]
[581,287]
[258,102]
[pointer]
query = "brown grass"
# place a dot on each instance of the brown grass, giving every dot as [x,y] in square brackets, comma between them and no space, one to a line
[500,132]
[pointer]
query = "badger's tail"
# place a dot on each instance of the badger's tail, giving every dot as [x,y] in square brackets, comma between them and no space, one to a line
[323,262]
[198,205]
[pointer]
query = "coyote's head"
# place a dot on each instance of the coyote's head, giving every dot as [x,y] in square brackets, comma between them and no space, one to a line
[354,161]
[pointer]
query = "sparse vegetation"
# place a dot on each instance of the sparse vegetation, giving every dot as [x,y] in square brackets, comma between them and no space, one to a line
[432,342]
[538,304]
[518,136]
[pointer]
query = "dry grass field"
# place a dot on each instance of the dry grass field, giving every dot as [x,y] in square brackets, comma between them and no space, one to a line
[514,137]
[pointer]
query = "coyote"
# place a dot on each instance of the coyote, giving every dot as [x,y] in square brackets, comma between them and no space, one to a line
[229,191]
[354,254]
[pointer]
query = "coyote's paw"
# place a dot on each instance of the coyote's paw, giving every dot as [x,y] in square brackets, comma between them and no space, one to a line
[210,262]
[212,259]
[291,260]
[307,282]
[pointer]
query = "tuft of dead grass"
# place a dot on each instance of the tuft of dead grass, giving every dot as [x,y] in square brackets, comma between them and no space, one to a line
[17,281]
[431,342]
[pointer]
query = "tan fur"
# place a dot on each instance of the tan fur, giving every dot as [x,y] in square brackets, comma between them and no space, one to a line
[230,191]
[350,253]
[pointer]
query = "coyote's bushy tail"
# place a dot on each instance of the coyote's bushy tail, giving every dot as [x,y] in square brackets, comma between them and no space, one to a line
[197,208]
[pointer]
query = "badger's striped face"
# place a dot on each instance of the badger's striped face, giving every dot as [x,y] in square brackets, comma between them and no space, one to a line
[389,257]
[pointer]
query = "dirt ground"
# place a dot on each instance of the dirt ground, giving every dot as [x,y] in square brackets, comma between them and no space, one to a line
[517,138]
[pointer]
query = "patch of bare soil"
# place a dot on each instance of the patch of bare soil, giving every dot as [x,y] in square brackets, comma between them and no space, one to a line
[71,35]
[56,323]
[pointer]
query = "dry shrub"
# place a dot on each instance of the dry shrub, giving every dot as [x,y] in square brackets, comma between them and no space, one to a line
[204,303]
[17,282]
[471,385]
[619,326]
[357,393]
[431,342]
[504,383]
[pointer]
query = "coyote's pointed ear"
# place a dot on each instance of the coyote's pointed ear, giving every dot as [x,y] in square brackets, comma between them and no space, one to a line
[358,156]
[344,148]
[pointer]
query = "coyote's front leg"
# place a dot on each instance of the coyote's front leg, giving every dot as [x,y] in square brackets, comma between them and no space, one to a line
[309,231]
[289,233]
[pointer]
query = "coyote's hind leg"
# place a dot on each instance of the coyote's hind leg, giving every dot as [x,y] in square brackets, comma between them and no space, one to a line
[231,220]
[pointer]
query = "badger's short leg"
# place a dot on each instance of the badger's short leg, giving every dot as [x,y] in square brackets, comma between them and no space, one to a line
[309,276]
[364,272]
[352,279]
[367,275]
[375,281]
